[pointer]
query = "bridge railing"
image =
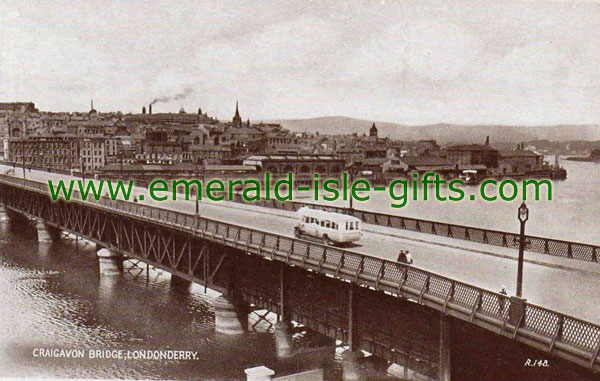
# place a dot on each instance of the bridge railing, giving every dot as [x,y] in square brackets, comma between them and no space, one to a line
[571,338]
[550,246]
[555,247]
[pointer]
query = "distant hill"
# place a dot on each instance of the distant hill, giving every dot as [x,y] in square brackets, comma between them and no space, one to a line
[443,132]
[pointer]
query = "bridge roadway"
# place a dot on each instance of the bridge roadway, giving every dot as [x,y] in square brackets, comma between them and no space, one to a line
[557,283]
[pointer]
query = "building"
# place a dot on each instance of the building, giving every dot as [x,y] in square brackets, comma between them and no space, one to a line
[420,164]
[211,154]
[368,167]
[520,162]
[375,152]
[350,155]
[373,131]
[92,152]
[147,172]
[49,151]
[21,107]
[297,164]
[465,154]
[157,148]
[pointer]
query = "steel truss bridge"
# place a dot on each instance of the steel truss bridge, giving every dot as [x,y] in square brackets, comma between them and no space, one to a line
[367,302]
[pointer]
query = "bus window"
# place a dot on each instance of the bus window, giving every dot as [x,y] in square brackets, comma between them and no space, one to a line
[334,226]
[327,224]
[323,223]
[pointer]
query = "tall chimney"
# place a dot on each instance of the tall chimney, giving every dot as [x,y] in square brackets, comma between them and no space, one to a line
[143,109]
[487,140]
[150,109]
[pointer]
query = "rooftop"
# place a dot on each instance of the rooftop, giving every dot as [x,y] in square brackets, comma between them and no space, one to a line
[470,147]
[425,161]
[519,154]
[288,157]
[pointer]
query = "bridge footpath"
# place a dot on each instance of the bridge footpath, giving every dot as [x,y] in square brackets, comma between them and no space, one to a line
[181,242]
[558,283]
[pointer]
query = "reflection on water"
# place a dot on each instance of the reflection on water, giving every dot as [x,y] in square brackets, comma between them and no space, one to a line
[53,297]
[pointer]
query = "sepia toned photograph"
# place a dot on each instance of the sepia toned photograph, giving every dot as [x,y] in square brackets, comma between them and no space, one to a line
[300,190]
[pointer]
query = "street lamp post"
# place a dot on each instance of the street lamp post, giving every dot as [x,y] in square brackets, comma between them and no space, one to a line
[23,161]
[197,191]
[523,217]
[121,166]
[350,190]
[516,312]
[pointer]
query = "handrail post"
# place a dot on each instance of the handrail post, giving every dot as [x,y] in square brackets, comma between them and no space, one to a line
[449,296]
[477,304]
[425,288]
[558,333]
[323,259]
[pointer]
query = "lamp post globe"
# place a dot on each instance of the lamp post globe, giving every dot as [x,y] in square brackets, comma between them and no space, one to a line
[523,213]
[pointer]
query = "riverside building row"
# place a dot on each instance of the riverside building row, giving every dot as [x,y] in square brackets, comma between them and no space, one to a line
[91,141]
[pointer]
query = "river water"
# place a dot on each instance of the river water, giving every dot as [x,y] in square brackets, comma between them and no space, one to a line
[52,296]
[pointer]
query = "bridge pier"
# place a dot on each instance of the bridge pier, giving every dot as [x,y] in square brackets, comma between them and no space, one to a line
[46,233]
[110,263]
[444,369]
[351,357]
[231,315]
[3,216]
[283,339]
[283,336]
[351,365]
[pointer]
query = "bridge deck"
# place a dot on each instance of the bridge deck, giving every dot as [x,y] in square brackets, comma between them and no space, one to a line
[556,283]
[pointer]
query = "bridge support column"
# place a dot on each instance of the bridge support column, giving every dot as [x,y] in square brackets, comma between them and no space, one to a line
[3,216]
[110,263]
[351,357]
[283,339]
[231,315]
[180,283]
[47,233]
[351,365]
[444,370]
[283,336]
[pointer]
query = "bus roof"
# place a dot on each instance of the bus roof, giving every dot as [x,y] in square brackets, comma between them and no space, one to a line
[324,215]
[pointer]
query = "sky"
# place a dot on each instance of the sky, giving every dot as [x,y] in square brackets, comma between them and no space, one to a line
[409,62]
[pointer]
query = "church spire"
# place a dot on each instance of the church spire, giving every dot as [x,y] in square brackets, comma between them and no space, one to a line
[237,119]
[92,110]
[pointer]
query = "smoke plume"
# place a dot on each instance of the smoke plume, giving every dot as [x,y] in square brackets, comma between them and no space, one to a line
[179,96]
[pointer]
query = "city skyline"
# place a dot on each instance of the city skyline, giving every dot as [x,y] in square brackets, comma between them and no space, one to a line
[533,63]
